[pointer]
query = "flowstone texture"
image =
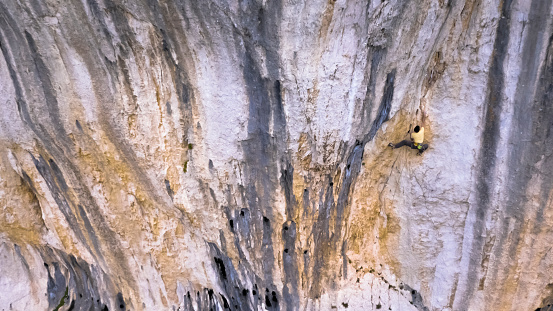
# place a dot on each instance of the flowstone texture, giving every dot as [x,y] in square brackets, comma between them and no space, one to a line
[232,155]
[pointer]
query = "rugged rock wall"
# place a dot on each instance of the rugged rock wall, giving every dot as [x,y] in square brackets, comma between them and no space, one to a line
[197,155]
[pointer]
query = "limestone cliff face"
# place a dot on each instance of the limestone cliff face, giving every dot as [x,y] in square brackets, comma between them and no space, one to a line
[214,155]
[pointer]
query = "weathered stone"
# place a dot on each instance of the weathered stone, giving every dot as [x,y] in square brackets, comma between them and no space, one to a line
[198,155]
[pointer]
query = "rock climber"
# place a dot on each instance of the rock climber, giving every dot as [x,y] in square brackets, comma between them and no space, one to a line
[417,138]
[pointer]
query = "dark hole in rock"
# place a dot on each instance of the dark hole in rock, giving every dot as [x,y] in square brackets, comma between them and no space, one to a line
[241,213]
[286,250]
[97,300]
[80,295]
[285,228]
[245,292]
[357,280]
[331,184]
[348,166]
[231,222]
[274,297]
[345,304]
[121,301]
[378,306]
[105,308]
[268,301]
[413,291]
[46,265]
[265,219]
[305,251]
[254,292]
[225,302]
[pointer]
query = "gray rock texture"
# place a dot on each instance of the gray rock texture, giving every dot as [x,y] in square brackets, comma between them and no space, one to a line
[232,155]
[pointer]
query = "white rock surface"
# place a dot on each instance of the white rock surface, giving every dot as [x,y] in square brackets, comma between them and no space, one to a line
[199,155]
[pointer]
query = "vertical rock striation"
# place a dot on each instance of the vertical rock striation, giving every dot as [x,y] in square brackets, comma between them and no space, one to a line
[232,155]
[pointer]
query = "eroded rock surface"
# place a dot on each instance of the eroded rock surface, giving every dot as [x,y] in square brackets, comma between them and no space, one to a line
[215,155]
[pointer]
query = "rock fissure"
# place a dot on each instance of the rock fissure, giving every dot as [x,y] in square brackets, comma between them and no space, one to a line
[232,155]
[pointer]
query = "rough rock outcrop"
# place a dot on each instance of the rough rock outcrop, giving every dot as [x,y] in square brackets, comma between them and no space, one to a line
[214,155]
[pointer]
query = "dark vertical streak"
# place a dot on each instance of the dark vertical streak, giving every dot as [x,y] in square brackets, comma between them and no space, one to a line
[264,148]
[7,24]
[290,258]
[529,157]
[488,150]
[542,113]
[375,58]
[321,240]
[326,242]
[530,119]
[286,182]
[43,75]
[290,266]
